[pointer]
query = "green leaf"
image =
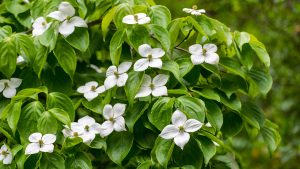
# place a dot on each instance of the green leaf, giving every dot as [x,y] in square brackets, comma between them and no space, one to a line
[60,115]
[40,59]
[121,11]
[260,82]
[49,37]
[8,56]
[79,39]
[185,65]
[16,7]
[31,93]
[107,20]
[145,165]
[25,46]
[163,151]
[260,50]
[173,67]
[232,124]
[160,15]
[115,46]
[233,66]
[241,38]
[207,147]
[52,161]
[133,84]
[60,100]
[162,35]
[118,146]
[47,123]
[208,94]
[214,114]
[134,113]
[192,107]
[5,31]
[233,102]
[137,36]
[271,135]
[174,29]
[94,105]
[79,161]
[161,112]
[98,143]
[71,142]
[14,115]
[253,114]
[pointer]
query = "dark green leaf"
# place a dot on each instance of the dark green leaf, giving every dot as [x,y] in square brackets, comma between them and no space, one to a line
[133,84]
[8,56]
[208,148]
[193,107]
[160,15]
[59,100]
[115,46]
[13,115]
[60,115]
[79,39]
[79,161]
[52,161]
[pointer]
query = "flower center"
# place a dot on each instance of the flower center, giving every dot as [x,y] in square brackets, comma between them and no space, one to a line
[181,129]
[93,88]
[41,142]
[152,86]
[4,153]
[75,134]
[204,51]
[87,128]
[116,74]
[111,119]
[5,84]
[195,7]
[44,23]
[149,57]
[136,17]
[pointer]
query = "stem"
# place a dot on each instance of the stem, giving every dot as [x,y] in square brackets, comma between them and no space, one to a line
[184,50]
[187,36]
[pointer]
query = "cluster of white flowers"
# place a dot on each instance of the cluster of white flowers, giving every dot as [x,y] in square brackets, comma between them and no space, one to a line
[194,10]
[138,18]
[40,143]
[8,87]
[65,15]
[5,155]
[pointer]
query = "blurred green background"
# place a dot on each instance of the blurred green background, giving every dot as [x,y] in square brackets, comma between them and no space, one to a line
[277,24]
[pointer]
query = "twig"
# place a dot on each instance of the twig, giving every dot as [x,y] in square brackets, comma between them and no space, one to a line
[187,36]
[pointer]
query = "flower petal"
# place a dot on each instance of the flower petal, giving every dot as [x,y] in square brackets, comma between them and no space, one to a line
[66,8]
[129,19]
[169,132]
[90,95]
[100,89]
[145,50]
[9,92]
[119,109]
[156,63]
[14,82]
[86,120]
[49,138]
[108,111]
[95,128]
[160,91]
[58,15]
[212,58]
[141,65]
[110,82]
[119,124]
[38,22]
[20,59]
[3,148]
[192,125]
[83,89]
[78,22]
[197,59]
[146,81]
[66,28]
[48,148]
[210,48]
[140,15]
[187,10]
[8,159]
[144,20]
[157,53]
[178,118]
[91,84]
[160,80]
[32,148]
[124,67]
[35,137]
[195,49]
[181,139]
[88,137]
[111,71]
[122,79]
[143,92]
[106,128]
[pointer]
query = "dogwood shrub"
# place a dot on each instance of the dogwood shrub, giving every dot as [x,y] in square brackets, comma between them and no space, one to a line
[119,83]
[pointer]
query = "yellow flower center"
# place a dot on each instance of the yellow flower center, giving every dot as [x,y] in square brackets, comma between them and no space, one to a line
[93,88]
[195,7]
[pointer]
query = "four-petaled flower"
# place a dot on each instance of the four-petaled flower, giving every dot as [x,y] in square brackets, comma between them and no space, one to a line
[87,128]
[139,18]
[117,75]
[40,25]
[9,86]
[5,155]
[152,58]
[91,90]
[75,130]
[39,142]
[65,14]
[114,119]
[156,87]
[180,128]
[207,54]
[194,10]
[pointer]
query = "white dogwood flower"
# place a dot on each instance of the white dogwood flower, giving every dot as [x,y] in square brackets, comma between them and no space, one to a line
[9,87]
[194,10]
[180,128]
[5,155]
[151,58]
[40,25]
[65,14]
[156,87]
[91,90]
[117,75]
[40,143]
[206,54]
[75,130]
[139,18]
[87,128]
[114,119]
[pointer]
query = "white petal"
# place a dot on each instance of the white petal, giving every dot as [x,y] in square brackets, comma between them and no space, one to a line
[144,20]
[83,89]
[192,125]
[35,137]
[212,58]
[38,23]
[8,159]
[143,92]
[66,8]
[100,89]
[76,127]
[146,81]
[1,156]
[119,124]
[91,84]
[32,148]
[111,71]
[187,10]
[141,65]
[20,59]
[49,138]
[110,82]
[88,137]
[66,28]
[124,67]
[197,59]
[208,124]
[78,22]
[169,132]
[86,120]
[90,95]
[2,86]
[195,12]
[160,80]
[95,128]
[178,118]
[106,128]
[108,111]
[141,15]
[129,19]
[156,63]
[145,50]
[181,139]
[14,82]
[210,48]
[157,53]
[160,91]
[48,148]
[67,132]
[119,109]
[9,92]
[122,79]
[3,148]
[195,49]
[58,15]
